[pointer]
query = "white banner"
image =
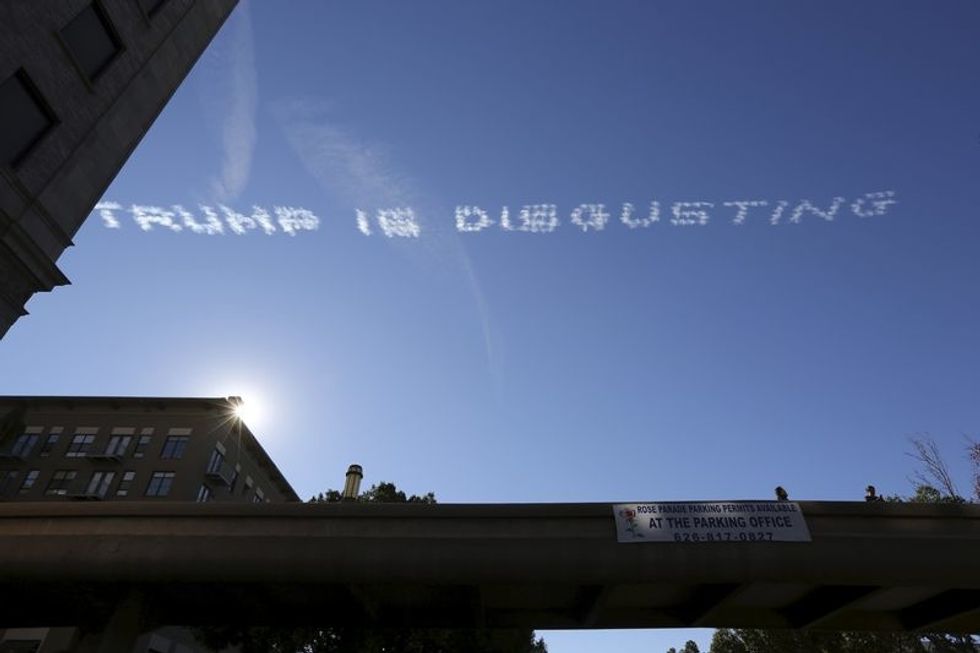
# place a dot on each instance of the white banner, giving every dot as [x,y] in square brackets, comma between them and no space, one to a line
[714,521]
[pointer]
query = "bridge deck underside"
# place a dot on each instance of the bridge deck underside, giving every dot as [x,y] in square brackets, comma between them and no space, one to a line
[869,567]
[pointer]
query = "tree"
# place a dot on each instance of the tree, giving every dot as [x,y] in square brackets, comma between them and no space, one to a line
[357,639]
[933,484]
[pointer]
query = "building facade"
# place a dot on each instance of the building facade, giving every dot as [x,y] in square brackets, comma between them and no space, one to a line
[81,81]
[129,449]
[132,449]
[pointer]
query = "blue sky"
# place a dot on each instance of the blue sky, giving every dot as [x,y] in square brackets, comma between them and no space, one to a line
[664,362]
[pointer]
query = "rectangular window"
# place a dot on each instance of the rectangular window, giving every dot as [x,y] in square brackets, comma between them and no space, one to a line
[79,446]
[49,445]
[24,116]
[160,484]
[174,447]
[117,445]
[233,481]
[214,463]
[61,482]
[247,486]
[24,444]
[8,481]
[91,40]
[99,484]
[29,481]
[125,484]
[204,494]
[141,446]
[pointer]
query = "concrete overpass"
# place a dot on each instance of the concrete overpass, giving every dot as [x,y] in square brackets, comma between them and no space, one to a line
[878,566]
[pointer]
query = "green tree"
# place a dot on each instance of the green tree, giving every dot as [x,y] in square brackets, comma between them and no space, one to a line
[357,639]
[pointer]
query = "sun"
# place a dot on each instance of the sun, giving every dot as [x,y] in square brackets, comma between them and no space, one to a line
[249,411]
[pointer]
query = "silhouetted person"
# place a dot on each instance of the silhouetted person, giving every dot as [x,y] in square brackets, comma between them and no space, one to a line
[781,494]
[871,495]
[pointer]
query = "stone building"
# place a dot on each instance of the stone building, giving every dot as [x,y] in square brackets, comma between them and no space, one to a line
[81,81]
[87,449]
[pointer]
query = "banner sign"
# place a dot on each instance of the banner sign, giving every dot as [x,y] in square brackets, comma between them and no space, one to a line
[714,521]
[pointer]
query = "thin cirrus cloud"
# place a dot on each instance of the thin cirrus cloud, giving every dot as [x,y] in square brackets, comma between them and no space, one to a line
[345,166]
[229,94]
[349,169]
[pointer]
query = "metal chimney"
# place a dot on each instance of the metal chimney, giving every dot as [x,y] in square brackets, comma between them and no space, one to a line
[352,486]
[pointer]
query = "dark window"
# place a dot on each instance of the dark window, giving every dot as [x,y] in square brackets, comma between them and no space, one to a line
[99,484]
[151,7]
[80,444]
[214,463]
[160,484]
[117,445]
[8,480]
[204,494]
[23,445]
[174,447]
[29,481]
[23,116]
[125,483]
[61,482]
[49,444]
[233,482]
[90,40]
[141,446]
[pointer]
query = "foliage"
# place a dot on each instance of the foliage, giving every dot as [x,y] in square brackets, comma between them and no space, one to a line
[933,484]
[356,639]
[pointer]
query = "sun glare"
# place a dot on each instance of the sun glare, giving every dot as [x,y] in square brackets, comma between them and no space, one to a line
[249,411]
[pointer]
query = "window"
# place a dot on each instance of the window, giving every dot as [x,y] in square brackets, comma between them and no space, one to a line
[160,484]
[117,445]
[214,463]
[99,483]
[8,479]
[91,41]
[24,116]
[61,482]
[247,486]
[233,481]
[29,481]
[79,446]
[141,446]
[49,445]
[204,494]
[174,447]
[23,445]
[125,484]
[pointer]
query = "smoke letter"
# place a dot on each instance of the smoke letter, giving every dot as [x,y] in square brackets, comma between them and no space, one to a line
[147,216]
[539,218]
[690,213]
[105,210]
[626,217]
[398,222]
[805,205]
[482,218]
[213,225]
[597,216]
[505,222]
[363,224]
[879,203]
[743,209]
[778,213]
[292,220]
[240,223]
